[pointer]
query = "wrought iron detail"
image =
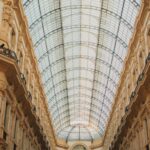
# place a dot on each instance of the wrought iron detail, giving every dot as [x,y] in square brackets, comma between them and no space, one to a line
[7,52]
[23,78]
[132,95]
[29,95]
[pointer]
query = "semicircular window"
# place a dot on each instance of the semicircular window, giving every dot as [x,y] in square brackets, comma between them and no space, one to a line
[79,147]
[81,46]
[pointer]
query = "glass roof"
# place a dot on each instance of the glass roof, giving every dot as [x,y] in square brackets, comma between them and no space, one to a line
[81,46]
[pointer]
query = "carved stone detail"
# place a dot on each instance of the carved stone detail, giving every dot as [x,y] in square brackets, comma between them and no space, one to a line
[3,82]
[7,19]
[7,11]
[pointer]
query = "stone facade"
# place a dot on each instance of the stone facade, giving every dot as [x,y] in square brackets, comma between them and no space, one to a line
[128,127]
[24,118]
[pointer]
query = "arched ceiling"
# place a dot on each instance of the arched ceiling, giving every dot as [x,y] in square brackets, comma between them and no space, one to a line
[81,46]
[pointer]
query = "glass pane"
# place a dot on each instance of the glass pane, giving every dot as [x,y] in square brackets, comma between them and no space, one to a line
[81,47]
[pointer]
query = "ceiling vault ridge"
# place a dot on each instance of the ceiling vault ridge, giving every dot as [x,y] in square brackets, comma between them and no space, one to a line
[98,37]
[64,55]
[118,28]
[48,56]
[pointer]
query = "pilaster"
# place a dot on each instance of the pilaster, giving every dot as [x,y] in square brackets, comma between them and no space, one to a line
[13,119]
[3,86]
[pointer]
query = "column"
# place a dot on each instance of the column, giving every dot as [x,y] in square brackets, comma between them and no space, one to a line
[3,86]
[12,127]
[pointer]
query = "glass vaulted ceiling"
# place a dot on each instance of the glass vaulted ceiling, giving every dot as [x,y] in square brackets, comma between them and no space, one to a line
[81,46]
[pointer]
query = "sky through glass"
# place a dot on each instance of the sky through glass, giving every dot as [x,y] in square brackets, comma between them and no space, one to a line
[80,46]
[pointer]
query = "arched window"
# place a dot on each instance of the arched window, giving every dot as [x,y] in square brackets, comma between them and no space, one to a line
[79,147]
[13,39]
[6,121]
[20,57]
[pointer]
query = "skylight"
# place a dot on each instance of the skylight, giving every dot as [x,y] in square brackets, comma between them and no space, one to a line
[81,46]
